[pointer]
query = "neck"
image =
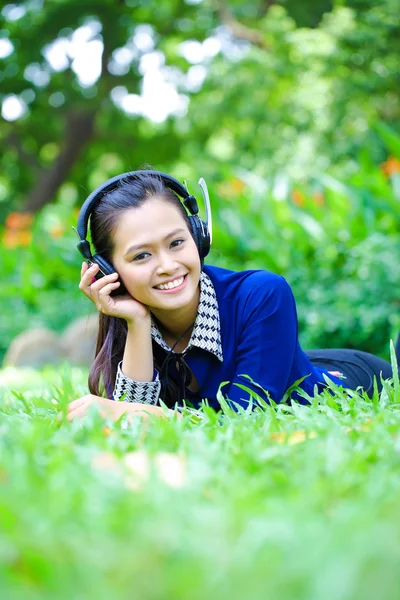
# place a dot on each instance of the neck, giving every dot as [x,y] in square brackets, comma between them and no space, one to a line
[173,323]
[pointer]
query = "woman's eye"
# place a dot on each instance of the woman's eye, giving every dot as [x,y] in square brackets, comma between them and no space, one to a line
[176,243]
[141,256]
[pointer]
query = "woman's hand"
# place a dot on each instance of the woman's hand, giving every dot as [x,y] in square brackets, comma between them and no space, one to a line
[98,291]
[110,409]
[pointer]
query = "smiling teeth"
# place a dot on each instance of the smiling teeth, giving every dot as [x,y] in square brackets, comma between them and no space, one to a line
[170,285]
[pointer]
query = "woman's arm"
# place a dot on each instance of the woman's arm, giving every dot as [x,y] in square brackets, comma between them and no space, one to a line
[137,363]
[136,378]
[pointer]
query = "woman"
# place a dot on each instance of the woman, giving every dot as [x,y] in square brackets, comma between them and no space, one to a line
[174,328]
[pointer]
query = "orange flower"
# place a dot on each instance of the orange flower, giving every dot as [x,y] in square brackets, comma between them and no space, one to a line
[19,221]
[319,198]
[56,231]
[391,166]
[15,239]
[238,185]
[25,238]
[231,188]
[298,197]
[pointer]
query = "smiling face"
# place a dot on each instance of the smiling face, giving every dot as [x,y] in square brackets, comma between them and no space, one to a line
[153,247]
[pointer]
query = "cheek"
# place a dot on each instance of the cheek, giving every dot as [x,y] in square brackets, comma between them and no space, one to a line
[194,254]
[193,262]
[134,282]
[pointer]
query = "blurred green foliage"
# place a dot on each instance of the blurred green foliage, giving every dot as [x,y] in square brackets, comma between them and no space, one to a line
[41,279]
[278,95]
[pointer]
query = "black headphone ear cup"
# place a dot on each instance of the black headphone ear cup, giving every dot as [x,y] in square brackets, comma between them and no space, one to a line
[104,265]
[196,231]
[201,236]
[205,240]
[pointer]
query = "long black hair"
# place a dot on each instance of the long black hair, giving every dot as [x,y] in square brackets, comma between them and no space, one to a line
[112,332]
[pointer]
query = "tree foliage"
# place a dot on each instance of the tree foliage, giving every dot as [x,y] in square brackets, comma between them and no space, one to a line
[291,88]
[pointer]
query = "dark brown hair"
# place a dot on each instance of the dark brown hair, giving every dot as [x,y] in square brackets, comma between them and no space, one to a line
[113,330]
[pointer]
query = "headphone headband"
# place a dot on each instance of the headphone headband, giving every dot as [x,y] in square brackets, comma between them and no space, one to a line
[111,184]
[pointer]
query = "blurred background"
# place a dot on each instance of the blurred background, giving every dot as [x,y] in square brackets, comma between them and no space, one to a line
[289,110]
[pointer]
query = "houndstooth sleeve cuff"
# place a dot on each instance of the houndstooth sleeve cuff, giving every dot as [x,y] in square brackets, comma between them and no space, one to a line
[146,392]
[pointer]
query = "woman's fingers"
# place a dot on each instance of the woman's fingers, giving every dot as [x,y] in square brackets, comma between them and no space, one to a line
[78,412]
[79,407]
[99,292]
[102,289]
[84,268]
[90,274]
[87,275]
[96,289]
[111,409]
[107,289]
[97,285]
[76,403]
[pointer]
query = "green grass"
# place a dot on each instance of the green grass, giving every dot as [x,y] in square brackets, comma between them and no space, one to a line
[289,502]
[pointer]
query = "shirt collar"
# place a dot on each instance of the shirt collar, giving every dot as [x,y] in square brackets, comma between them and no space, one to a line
[206,332]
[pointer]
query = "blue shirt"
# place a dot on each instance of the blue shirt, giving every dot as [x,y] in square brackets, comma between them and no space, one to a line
[258,337]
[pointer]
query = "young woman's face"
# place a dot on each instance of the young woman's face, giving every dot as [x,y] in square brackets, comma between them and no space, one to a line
[154,247]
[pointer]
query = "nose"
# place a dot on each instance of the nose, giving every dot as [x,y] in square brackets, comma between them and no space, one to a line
[167,265]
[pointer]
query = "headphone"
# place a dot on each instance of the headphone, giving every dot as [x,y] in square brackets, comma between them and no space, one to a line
[201,230]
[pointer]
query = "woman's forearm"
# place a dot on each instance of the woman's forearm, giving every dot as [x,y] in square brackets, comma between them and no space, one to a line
[137,362]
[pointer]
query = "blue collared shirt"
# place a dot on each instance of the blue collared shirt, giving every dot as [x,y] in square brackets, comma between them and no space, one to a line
[246,325]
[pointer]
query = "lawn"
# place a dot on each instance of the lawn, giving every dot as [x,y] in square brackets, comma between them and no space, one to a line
[289,502]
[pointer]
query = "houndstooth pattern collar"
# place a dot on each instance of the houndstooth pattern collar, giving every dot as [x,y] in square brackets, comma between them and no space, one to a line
[206,332]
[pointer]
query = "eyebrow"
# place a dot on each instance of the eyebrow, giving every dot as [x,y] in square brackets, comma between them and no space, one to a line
[146,244]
